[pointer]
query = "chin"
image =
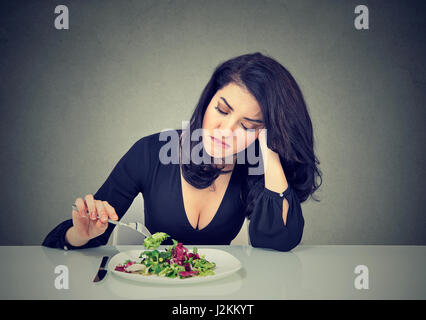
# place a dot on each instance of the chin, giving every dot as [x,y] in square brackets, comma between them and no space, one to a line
[219,155]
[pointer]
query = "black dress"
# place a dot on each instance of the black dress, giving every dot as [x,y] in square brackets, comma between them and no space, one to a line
[140,170]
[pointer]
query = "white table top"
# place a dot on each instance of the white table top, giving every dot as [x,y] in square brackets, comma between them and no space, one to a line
[307,272]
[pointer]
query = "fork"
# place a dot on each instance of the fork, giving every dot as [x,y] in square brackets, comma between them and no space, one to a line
[137,226]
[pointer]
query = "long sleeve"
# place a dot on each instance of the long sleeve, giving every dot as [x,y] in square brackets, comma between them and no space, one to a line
[267,228]
[129,177]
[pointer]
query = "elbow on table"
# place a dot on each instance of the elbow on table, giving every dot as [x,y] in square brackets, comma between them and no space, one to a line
[283,245]
[283,241]
[288,246]
[47,244]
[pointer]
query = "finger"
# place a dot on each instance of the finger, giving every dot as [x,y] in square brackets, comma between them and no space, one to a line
[100,226]
[90,202]
[102,213]
[111,211]
[81,206]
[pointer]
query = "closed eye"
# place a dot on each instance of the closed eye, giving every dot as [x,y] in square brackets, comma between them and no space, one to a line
[224,113]
[220,111]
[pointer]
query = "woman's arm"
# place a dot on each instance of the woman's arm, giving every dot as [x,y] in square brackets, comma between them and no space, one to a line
[275,179]
[276,221]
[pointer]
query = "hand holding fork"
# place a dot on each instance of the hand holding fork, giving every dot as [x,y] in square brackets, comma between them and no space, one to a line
[91,217]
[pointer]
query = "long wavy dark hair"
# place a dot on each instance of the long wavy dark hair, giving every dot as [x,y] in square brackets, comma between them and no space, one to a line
[285,116]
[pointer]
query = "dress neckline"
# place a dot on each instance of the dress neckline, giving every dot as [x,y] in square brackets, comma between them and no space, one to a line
[215,217]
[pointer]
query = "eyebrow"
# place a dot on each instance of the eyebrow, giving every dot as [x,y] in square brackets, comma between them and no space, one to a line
[232,109]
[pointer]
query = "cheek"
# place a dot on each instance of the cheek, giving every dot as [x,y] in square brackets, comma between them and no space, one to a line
[243,140]
[250,138]
[208,120]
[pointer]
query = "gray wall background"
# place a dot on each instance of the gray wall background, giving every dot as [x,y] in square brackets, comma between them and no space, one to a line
[74,101]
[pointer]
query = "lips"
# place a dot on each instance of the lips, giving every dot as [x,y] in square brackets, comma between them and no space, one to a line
[225,145]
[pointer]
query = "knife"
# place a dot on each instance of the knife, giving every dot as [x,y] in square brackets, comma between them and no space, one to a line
[102,271]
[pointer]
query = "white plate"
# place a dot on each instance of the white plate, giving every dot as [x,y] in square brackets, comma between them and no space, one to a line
[226,264]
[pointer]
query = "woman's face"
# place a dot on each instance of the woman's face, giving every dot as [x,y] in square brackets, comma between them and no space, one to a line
[233,117]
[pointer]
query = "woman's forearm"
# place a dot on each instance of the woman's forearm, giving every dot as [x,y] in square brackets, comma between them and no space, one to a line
[275,179]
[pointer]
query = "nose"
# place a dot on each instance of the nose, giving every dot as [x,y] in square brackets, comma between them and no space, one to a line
[223,133]
[226,128]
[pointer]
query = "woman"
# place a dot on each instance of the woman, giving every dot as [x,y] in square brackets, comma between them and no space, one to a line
[251,106]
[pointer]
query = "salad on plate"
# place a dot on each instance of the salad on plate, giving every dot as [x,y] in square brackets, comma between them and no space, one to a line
[175,261]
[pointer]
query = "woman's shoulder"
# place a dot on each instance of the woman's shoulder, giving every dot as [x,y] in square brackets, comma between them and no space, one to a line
[154,141]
